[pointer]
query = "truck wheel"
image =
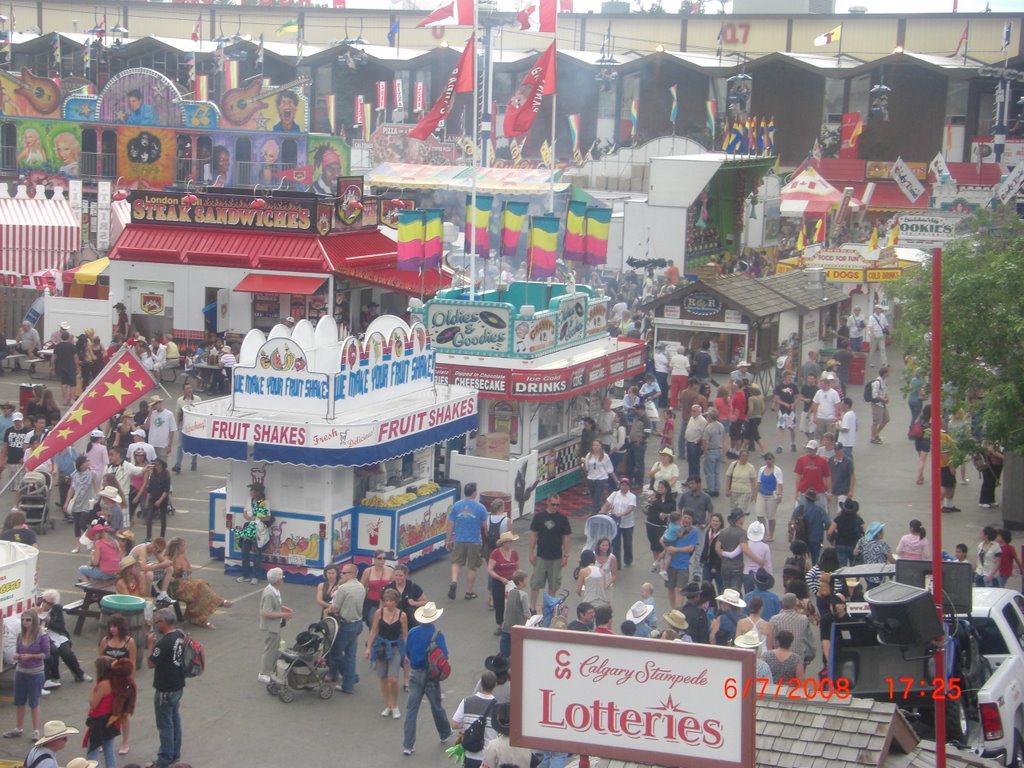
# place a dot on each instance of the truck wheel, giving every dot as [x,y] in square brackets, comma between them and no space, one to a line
[956,721]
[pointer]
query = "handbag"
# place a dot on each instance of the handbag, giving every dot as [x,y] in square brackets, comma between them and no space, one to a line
[980,462]
[916,431]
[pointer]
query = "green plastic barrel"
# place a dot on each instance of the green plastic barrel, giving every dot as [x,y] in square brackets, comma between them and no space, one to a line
[133,609]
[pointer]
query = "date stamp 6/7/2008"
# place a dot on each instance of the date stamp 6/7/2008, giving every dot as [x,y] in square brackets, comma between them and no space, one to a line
[793,688]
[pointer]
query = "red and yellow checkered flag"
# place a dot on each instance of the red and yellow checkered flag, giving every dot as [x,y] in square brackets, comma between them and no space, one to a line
[120,384]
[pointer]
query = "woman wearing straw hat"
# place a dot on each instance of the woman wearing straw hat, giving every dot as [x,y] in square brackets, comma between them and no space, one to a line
[501,565]
[665,468]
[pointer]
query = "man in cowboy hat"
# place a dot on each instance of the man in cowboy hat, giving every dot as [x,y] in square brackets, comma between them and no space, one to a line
[696,616]
[499,752]
[730,611]
[763,583]
[638,613]
[416,645]
[678,622]
[498,664]
[54,738]
[161,427]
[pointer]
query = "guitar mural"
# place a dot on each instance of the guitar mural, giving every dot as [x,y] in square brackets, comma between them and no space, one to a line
[28,95]
[281,109]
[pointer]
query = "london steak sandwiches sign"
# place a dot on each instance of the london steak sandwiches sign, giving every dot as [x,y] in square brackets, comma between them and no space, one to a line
[632,699]
[292,213]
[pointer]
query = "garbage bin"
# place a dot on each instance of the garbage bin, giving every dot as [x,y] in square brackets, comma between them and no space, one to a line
[134,611]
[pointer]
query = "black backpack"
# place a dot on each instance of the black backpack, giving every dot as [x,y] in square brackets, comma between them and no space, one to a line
[473,736]
[868,394]
[493,532]
[697,619]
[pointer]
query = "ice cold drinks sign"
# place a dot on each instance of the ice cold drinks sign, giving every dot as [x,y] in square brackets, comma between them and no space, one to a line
[631,699]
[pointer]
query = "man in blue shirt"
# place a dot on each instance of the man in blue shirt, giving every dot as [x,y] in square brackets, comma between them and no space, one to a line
[467,526]
[763,583]
[680,549]
[416,645]
[139,112]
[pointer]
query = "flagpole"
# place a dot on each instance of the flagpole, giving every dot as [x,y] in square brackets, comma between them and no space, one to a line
[471,213]
[839,55]
[551,189]
[967,42]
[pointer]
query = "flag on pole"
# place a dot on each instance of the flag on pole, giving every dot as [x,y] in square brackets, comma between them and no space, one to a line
[456,13]
[634,118]
[411,248]
[574,136]
[761,144]
[710,109]
[819,230]
[56,52]
[599,221]
[330,103]
[540,262]
[771,135]
[538,16]
[673,113]
[735,145]
[513,216]
[540,81]
[396,25]
[433,237]
[574,247]
[197,28]
[479,219]
[873,240]
[801,238]
[726,136]
[718,43]
[202,87]
[832,36]
[289,26]
[459,81]
[231,77]
[962,41]
[122,382]
[853,127]
[894,234]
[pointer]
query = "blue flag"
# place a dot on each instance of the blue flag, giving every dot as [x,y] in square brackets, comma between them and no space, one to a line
[393,32]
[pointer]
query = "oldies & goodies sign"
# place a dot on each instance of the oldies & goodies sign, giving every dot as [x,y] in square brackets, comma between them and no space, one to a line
[631,699]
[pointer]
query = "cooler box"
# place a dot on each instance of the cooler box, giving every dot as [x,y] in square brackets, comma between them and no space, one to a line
[134,610]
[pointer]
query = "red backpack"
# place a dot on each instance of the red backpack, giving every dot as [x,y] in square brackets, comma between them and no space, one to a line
[438,667]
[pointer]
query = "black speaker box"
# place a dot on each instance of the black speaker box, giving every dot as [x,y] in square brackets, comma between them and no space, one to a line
[906,614]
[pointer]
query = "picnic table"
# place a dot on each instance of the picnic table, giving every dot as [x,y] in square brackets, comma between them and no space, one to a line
[89,605]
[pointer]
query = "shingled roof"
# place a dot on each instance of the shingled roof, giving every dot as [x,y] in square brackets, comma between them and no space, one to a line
[797,287]
[738,292]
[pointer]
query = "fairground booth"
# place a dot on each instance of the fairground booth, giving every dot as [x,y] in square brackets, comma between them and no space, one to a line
[540,356]
[341,431]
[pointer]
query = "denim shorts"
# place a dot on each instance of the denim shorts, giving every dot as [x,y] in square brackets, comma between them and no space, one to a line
[28,688]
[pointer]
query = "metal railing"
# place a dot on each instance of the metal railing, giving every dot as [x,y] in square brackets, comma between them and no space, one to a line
[97,165]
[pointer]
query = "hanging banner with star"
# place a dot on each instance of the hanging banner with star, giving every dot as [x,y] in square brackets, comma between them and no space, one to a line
[120,384]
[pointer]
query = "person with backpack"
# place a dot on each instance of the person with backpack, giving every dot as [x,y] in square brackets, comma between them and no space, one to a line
[166,659]
[475,718]
[54,738]
[498,522]
[425,648]
[877,393]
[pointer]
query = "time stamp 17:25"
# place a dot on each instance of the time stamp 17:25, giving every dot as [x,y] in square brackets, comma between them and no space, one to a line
[807,688]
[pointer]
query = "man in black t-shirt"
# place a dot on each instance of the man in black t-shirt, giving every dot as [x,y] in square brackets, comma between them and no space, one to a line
[784,399]
[166,659]
[584,621]
[15,440]
[549,548]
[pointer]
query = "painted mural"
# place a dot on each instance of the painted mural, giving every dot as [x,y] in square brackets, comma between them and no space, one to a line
[140,130]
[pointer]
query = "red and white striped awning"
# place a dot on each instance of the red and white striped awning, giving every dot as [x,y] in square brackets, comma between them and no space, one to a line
[36,234]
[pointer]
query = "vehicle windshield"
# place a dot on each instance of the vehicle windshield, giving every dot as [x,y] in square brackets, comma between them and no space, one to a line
[991,642]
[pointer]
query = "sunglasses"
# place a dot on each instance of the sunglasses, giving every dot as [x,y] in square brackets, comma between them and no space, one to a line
[381,557]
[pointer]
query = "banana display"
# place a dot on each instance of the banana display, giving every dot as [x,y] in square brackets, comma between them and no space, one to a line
[400,499]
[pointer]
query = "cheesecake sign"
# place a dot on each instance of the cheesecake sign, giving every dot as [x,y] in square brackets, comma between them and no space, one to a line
[631,699]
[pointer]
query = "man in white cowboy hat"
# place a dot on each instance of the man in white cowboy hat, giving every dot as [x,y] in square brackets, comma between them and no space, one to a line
[638,614]
[752,640]
[112,506]
[731,605]
[161,427]
[53,739]
[416,646]
[139,441]
[741,376]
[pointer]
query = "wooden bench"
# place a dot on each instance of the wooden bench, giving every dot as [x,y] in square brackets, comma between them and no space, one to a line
[89,606]
[11,360]
[33,362]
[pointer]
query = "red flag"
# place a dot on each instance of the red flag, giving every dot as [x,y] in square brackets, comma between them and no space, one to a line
[538,16]
[455,13]
[197,29]
[963,38]
[120,384]
[853,127]
[460,81]
[524,105]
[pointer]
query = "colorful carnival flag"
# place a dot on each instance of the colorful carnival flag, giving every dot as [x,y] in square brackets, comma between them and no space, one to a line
[771,135]
[574,245]
[455,13]
[433,238]
[543,246]
[538,16]
[122,382]
[540,81]
[479,221]
[574,135]
[411,230]
[850,133]
[819,230]
[710,108]
[801,238]
[231,76]
[513,216]
[832,36]
[873,241]
[673,113]
[634,118]
[459,81]
[202,87]
[894,234]
[292,25]
[599,221]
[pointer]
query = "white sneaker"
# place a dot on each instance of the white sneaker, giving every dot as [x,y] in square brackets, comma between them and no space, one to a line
[254,580]
[241,579]
[396,713]
[86,678]
[51,684]
[76,550]
[45,692]
[385,712]
[263,678]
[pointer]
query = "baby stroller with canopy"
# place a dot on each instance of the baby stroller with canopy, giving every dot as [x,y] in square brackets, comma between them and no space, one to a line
[598,527]
[33,493]
[304,666]
[555,613]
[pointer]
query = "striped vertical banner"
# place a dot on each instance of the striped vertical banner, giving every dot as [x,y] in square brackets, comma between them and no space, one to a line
[231,78]
[418,97]
[331,105]
[367,120]
[480,219]
[598,223]
[358,109]
[433,245]
[574,247]
[411,228]
[543,247]
[202,87]
[513,216]
[382,95]
[399,94]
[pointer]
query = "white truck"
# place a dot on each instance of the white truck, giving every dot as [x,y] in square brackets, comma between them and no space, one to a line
[19,576]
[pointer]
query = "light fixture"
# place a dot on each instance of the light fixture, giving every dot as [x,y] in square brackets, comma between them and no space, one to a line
[190,199]
[258,204]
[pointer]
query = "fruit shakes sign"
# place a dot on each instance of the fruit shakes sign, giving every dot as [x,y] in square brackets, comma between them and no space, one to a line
[280,381]
[631,699]
[291,213]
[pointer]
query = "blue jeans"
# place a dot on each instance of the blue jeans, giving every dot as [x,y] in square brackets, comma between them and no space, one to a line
[712,462]
[419,687]
[599,490]
[693,454]
[845,554]
[250,550]
[639,452]
[168,725]
[505,645]
[181,454]
[109,761]
[343,656]
[92,573]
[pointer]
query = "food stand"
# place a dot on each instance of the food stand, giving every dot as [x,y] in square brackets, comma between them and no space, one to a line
[541,358]
[341,432]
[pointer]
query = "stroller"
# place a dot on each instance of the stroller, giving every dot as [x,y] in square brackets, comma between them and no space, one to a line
[33,493]
[600,526]
[303,667]
[555,614]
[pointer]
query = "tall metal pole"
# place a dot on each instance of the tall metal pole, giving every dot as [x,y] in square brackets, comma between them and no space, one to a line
[936,427]
[487,121]
[471,213]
